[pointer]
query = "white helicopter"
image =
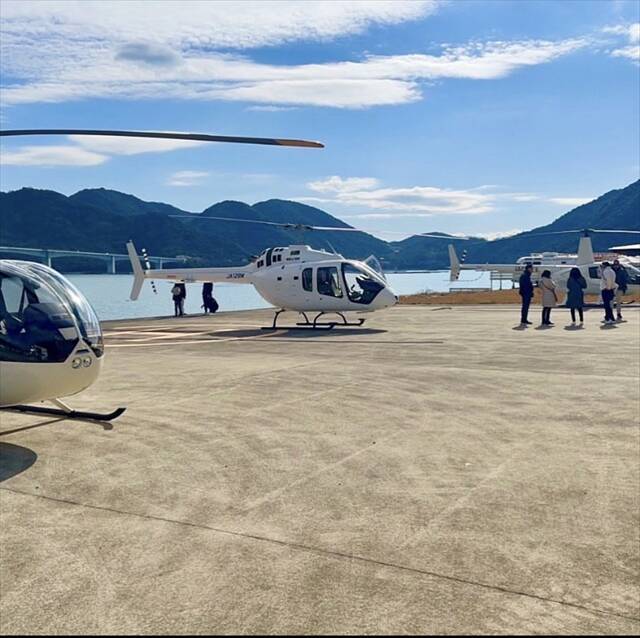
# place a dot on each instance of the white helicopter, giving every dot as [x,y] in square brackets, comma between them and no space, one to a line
[296,278]
[51,343]
[585,261]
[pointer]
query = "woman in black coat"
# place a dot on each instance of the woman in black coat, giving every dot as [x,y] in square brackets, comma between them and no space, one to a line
[575,294]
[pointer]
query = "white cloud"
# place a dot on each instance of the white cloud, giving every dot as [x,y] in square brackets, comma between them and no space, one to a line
[413,201]
[51,156]
[632,52]
[374,201]
[187,178]
[499,234]
[57,52]
[89,151]
[130,145]
[630,32]
[270,108]
[197,24]
[570,201]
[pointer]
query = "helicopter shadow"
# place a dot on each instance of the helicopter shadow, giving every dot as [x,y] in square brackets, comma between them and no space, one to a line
[15,459]
[298,333]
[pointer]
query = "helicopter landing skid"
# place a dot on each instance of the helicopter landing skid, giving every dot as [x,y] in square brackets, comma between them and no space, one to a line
[65,411]
[314,325]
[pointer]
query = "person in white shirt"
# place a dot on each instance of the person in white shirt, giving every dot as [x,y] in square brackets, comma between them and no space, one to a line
[608,288]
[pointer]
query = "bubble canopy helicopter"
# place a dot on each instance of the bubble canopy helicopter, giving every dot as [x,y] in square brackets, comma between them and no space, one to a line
[51,343]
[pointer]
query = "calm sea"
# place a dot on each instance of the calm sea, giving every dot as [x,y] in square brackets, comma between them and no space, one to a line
[109,294]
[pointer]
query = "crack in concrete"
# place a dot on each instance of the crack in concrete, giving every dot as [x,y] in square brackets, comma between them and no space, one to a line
[332,553]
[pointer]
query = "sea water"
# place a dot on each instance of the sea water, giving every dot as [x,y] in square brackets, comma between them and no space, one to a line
[109,294]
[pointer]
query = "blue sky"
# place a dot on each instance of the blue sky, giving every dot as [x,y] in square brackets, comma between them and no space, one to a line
[460,116]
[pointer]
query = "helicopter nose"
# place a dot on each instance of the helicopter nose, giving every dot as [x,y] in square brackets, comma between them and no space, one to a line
[391,299]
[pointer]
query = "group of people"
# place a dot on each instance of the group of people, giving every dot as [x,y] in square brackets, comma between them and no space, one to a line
[613,286]
[179,294]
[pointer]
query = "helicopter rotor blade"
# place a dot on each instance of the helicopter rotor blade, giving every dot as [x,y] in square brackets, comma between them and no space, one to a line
[167,135]
[449,237]
[286,225]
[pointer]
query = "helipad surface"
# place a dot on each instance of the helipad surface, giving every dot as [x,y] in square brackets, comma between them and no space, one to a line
[436,472]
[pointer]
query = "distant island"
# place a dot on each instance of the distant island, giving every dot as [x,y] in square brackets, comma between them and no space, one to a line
[101,220]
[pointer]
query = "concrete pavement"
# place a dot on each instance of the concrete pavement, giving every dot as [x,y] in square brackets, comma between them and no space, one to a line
[438,471]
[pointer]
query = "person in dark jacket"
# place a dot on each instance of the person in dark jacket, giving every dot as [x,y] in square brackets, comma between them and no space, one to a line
[576,285]
[525,290]
[183,296]
[176,295]
[622,281]
[208,302]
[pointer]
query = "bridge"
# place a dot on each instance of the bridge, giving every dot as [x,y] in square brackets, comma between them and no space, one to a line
[46,255]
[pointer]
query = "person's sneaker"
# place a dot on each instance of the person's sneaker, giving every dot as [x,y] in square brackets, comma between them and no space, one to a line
[573,323]
[550,323]
[529,323]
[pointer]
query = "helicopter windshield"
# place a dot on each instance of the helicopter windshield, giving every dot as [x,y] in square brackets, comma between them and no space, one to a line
[374,263]
[81,308]
[361,285]
[36,325]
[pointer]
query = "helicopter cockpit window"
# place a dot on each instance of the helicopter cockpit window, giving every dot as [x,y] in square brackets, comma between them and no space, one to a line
[361,287]
[35,325]
[84,314]
[329,282]
[307,279]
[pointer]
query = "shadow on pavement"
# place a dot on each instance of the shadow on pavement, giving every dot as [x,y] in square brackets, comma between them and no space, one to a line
[15,459]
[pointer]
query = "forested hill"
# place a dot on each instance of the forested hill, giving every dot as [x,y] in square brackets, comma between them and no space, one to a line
[103,220]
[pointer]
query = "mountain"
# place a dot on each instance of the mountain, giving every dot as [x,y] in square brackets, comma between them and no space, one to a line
[616,209]
[103,220]
[111,201]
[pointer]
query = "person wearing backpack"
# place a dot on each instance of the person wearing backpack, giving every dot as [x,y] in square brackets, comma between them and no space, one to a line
[622,281]
[176,294]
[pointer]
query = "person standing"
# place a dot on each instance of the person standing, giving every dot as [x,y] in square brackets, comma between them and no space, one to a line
[549,297]
[608,288]
[183,296]
[176,295]
[208,302]
[622,281]
[525,290]
[575,295]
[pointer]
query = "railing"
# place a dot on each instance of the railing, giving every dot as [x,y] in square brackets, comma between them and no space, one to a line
[48,254]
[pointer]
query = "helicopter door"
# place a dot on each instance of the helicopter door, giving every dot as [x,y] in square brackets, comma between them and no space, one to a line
[328,281]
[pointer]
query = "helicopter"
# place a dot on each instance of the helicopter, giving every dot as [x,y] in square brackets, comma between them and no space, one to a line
[295,278]
[51,343]
[559,265]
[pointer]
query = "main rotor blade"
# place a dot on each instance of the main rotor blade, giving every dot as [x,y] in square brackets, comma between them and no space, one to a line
[197,137]
[586,231]
[287,225]
[449,237]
